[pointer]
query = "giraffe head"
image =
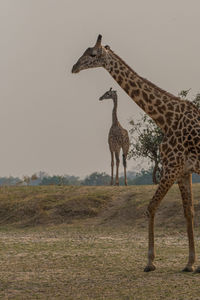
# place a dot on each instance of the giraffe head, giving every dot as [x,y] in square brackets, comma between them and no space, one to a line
[92,57]
[109,95]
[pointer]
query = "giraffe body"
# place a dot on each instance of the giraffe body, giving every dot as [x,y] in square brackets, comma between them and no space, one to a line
[180,149]
[117,138]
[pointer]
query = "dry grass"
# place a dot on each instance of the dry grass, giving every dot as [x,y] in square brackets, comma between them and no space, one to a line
[91,243]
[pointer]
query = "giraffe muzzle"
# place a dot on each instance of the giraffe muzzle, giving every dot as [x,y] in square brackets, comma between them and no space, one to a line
[75,69]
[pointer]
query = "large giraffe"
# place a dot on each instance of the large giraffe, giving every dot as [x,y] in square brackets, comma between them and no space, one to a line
[117,138]
[180,123]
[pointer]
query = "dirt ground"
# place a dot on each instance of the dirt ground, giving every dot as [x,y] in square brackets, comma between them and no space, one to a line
[91,243]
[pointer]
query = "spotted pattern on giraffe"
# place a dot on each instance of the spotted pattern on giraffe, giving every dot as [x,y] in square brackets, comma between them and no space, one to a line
[117,138]
[179,121]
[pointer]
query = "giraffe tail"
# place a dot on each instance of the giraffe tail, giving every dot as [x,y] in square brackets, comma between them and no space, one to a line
[124,160]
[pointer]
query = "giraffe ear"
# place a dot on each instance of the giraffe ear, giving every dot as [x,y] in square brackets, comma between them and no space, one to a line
[110,90]
[98,42]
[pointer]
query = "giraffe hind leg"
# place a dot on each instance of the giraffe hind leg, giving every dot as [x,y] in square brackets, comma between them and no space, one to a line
[112,167]
[185,186]
[167,179]
[197,170]
[117,168]
[125,165]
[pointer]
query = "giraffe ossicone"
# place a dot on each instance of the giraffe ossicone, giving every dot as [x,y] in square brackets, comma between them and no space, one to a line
[179,121]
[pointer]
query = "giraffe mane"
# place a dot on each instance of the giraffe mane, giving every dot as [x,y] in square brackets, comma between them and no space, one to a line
[143,79]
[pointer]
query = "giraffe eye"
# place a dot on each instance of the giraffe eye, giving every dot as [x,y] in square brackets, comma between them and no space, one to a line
[92,55]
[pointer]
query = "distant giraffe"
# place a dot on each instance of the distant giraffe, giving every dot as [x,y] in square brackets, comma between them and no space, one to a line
[179,121]
[117,138]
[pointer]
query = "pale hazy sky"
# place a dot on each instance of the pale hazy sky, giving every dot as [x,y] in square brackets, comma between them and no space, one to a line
[50,119]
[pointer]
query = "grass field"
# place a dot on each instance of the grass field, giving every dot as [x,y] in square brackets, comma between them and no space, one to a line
[91,243]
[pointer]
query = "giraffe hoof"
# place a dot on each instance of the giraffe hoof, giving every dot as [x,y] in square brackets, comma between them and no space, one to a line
[188,269]
[149,268]
[197,270]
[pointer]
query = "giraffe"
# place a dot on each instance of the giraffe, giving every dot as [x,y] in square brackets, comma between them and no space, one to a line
[117,138]
[179,121]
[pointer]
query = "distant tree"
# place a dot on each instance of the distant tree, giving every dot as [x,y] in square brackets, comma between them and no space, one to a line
[146,137]
[41,175]
[196,100]
[131,175]
[183,94]
[72,180]
[52,180]
[29,179]
[41,178]
[9,180]
[97,179]
[34,177]
[26,179]
[144,177]
[60,180]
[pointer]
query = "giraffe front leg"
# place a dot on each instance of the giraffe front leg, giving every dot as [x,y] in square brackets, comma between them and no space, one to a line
[112,166]
[164,185]
[185,186]
[151,253]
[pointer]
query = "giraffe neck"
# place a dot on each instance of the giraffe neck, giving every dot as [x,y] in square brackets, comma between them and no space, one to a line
[114,112]
[163,107]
